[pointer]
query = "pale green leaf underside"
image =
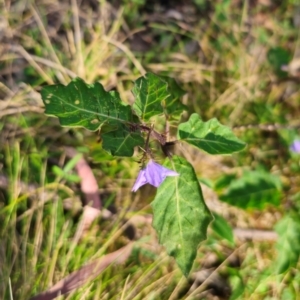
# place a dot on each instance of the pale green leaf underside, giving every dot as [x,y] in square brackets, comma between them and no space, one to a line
[209,136]
[288,244]
[180,215]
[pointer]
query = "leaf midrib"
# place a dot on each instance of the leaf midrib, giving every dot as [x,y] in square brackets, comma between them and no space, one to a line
[89,111]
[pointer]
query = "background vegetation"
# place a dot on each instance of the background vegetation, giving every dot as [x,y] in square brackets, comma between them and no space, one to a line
[237,60]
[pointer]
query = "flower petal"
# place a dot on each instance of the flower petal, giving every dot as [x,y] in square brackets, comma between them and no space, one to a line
[153,174]
[141,180]
[156,174]
[295,147]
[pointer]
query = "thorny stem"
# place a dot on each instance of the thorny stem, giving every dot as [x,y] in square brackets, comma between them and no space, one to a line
[147,150]
[161,138]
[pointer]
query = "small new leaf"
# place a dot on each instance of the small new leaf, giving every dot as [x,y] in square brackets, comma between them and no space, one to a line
[149,92]
[210,136]
[180,215]
[222,228]
[173,107]
[156,95]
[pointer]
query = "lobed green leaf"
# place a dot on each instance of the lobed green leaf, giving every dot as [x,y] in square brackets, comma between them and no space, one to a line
[88,105]
[85,105]
[255,189]
[209,136]
[180,215]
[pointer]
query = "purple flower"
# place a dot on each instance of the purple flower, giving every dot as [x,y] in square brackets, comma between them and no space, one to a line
[295,147]
[153,174]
